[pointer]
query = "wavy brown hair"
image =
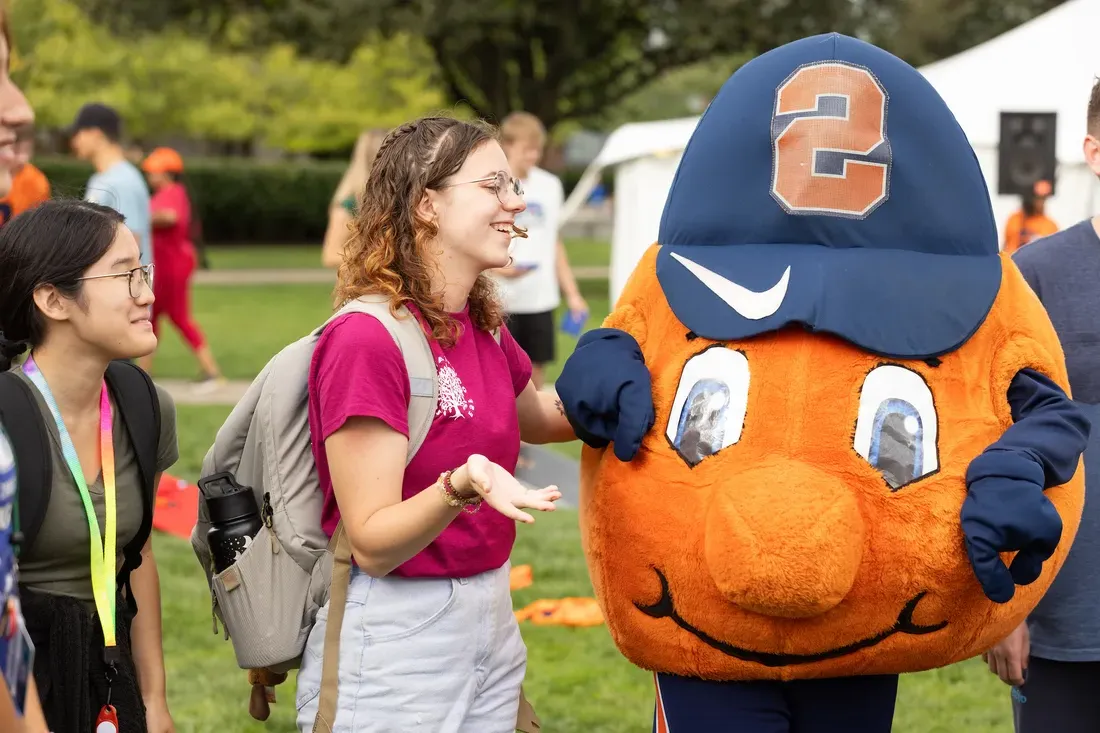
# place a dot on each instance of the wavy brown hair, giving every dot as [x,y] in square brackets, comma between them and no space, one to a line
[387,252]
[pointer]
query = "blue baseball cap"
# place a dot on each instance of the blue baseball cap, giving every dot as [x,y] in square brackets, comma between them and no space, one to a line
[828,185]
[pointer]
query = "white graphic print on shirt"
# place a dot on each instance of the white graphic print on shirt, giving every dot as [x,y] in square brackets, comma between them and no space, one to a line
[453,402]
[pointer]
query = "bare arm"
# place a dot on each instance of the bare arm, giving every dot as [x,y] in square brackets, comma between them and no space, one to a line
[367,462]
[164,218]
[336,236]
[34,720]
[146,631]
[567,282]
[542,417]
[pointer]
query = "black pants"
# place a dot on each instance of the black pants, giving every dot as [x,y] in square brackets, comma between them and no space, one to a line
[69,668]
[838,705]
[1058,697]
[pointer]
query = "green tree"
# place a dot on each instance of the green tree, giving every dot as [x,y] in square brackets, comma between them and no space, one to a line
[174,83]
[574,60]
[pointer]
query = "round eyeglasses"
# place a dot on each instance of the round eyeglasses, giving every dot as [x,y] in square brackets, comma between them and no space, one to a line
[502,183]
[136,278]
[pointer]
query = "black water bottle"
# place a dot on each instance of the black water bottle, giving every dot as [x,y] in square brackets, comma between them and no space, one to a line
[234,519]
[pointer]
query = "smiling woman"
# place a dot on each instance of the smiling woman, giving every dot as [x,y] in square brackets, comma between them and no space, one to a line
[92,435]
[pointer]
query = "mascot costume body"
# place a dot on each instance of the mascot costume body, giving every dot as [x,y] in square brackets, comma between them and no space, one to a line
[828,432]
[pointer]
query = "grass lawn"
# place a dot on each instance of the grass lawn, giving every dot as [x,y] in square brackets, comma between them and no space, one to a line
[576,677]
[264,256]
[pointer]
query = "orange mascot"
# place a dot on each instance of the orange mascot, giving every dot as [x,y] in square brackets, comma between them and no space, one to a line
[828,432]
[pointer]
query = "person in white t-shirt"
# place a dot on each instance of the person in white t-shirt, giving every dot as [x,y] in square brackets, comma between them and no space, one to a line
[533,286]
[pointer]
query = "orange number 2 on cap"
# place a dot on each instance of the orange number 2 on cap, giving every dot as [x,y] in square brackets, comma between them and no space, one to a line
[829,119]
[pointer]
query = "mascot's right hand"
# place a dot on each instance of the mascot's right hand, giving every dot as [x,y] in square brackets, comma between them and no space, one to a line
[606,392]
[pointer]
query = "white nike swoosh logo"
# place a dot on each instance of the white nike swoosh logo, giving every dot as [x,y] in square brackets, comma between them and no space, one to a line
[749,304]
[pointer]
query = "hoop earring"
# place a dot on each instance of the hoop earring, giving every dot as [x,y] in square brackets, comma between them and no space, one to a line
[511,261]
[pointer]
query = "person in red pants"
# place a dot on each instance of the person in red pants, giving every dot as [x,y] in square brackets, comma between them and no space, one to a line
[174,256]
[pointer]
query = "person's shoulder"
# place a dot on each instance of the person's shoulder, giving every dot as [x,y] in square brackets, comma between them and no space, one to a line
[356,331]
[1048,250]
[167,404]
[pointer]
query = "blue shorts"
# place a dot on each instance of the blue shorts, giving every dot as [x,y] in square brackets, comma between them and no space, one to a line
[836,705]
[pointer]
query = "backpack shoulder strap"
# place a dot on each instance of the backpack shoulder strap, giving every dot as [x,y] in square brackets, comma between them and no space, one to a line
[139,406]
[30,442]
[419,362]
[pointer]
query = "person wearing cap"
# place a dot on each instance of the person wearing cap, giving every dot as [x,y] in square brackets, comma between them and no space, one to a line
[1053,660]
[96,136]
[1030,222]
[828,435]
[174,256]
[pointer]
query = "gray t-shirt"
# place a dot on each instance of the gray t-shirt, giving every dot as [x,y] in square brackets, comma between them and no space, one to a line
[58,560]
[1064,271]
[122,187]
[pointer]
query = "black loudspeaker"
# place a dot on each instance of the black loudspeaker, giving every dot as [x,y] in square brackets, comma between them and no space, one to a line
[1027,152]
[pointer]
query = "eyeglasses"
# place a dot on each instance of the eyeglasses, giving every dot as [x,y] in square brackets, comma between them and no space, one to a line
[502,183]
[137,277]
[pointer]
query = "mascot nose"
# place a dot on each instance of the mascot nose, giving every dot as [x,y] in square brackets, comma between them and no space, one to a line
[784,540]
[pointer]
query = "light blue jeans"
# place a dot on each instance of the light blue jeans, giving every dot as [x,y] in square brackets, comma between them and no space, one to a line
[438,655]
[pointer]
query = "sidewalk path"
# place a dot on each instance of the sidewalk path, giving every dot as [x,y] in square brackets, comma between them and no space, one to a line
[325,277]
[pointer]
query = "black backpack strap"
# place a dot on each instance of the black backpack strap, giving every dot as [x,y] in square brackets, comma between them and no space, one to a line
[30,442]
[139,407]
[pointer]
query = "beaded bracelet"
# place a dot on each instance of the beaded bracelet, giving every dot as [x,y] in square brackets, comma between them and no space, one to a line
[452,497]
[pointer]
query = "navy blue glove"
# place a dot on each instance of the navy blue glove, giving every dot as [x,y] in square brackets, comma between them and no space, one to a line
[606,391]
[1005,508]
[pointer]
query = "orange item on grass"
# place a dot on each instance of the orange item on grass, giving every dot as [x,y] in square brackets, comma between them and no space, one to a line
[562,612]
[177,506]
[521,577]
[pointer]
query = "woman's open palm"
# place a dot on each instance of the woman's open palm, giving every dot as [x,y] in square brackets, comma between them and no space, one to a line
[503,492]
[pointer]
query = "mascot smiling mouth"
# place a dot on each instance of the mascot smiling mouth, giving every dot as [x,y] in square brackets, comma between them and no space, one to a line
[664,608]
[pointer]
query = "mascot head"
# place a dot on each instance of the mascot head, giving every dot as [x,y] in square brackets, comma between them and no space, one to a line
[831,334]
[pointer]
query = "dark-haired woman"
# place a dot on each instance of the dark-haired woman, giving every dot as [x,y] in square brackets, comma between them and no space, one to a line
[75,296]
[174,255]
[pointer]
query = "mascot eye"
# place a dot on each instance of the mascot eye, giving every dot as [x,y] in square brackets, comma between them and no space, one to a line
[709,409]
[896,429]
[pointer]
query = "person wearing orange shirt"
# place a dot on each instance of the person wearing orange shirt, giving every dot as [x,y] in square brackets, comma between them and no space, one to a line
[1029,223]
[29,187]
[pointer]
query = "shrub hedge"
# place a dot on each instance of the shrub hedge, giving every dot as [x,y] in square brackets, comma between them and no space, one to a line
[242,200]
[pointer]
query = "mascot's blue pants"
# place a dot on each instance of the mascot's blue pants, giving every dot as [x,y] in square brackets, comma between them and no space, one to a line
[840,705]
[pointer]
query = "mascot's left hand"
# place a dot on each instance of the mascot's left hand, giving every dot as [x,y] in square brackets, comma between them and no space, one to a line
[1006,509]
[606,391]
[1003,514]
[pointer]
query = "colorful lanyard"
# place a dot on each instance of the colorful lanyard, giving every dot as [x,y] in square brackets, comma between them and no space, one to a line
[103,558]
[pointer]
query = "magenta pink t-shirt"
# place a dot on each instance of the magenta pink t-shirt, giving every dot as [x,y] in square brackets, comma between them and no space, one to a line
[172,244]
[357,371]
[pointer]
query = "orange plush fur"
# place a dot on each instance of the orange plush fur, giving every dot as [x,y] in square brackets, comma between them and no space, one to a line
[787,550]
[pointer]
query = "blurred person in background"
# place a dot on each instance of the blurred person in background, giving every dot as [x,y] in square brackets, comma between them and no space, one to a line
[95,136]
[1030,222]
[345,200]
[174,257]
[532,287]
[29,185]
[17,715]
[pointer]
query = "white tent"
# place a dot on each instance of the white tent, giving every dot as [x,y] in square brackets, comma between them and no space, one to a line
[1048,64]
[645,156]
[1045,65]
